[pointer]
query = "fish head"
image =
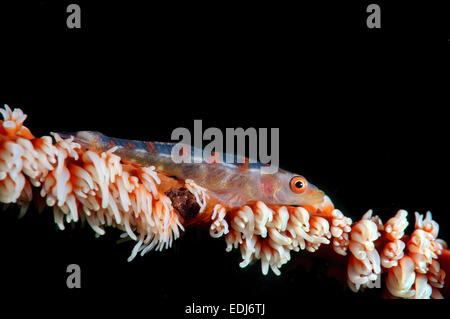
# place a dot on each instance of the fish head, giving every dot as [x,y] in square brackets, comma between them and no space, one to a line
[294,189]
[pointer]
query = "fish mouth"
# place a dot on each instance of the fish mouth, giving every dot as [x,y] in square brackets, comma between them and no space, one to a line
[312,197]
[315,198]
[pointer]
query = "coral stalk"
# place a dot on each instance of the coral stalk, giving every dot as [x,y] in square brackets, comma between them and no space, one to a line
[153,209]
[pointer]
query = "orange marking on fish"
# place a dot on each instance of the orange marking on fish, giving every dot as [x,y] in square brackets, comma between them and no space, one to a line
[130,146]
[244,166]
[184,150]
[267,186]
[150,147]
[215,158]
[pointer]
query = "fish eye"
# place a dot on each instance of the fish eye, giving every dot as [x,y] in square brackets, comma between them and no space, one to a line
[298,184]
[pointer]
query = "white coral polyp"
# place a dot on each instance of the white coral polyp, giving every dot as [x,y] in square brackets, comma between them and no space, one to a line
[400,279]
[270,233]
[364,265]
[392,252]
[219,226]
[395,227]
[340,229]
[419,262]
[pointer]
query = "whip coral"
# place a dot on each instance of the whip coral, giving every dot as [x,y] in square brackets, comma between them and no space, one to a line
[152,208]
[82,184]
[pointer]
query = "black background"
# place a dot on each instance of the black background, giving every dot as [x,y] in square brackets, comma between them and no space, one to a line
[362,114]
